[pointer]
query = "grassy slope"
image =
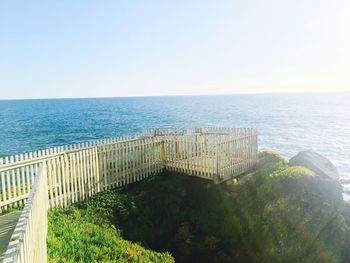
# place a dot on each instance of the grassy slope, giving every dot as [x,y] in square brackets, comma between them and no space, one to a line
[278,214]
[85,233]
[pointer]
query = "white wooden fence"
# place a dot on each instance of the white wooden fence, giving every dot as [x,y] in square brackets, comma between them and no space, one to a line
[75,172]
[214,154]
[28,241]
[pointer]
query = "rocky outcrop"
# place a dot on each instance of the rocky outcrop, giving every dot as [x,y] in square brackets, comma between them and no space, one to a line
[315,162]
[312,206]
[309,201]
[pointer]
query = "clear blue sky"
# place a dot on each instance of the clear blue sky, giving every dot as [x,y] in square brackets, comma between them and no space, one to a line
[137,48]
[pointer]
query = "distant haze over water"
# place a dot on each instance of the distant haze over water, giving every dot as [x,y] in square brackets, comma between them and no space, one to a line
[288,123]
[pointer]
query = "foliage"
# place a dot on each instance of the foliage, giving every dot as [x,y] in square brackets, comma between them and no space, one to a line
[277,214]
[293,216]
[9,209]
[293,171]
[17,206]
[270,161]
[84,233]
[263,218]
[274,154]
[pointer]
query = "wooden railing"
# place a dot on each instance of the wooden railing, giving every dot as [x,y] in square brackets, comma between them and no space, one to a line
[28,241]
[216,154]
[76,172]
[236,156]
[73,173]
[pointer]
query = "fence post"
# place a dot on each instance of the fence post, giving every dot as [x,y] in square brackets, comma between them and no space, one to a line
[163,153]
[44,224]
[217,162]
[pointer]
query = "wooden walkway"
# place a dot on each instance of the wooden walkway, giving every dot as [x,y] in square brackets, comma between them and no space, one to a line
[7,225]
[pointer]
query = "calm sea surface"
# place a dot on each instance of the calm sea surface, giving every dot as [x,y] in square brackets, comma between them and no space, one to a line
[288,123]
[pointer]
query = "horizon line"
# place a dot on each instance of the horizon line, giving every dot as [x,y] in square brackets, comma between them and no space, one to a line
[181,95]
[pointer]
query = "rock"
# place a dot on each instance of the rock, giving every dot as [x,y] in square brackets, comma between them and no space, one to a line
[300,214]
[315,162]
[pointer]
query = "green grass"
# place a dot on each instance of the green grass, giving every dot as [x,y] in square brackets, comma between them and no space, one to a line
[294,171]
[85,233]
[272,154]
[18,205]
[276,214]
[11,208]
[269,161]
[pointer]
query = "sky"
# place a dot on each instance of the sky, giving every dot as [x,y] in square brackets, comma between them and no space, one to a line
[64,49]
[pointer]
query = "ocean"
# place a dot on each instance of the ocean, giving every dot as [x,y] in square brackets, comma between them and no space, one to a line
[288,123]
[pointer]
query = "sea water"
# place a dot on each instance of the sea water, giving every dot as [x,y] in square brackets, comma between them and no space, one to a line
[288,123]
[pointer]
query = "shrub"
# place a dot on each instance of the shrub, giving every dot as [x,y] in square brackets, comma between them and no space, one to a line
[292,172]
[270,161]
[85,233]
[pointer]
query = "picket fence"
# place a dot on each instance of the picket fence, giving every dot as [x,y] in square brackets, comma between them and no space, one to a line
[28,241]
[75,172]
[72,173]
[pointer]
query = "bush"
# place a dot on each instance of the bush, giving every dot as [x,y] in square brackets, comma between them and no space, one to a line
[270,161]
[85,233]
[292,172]
[287,215]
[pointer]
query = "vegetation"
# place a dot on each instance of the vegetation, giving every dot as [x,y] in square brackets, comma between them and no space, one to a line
[12,208]
[85,233]
[273,155]
[276,214]
[270,161]
[292,172]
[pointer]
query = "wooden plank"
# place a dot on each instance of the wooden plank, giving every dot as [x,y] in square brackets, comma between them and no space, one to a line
[54,190]
[114,165]
[148,156]
[81,175]
[22,184]
[108,167]
[7,225]
[13,180]
[104,166]
[74,177]
[137,162]
[3,185]
[118,172]
[8,180]
[91,173]
[78,175]
[126,163]
[62,164]
[27,172]
[85,174]
[50,183]
[88,172]
[97,170]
